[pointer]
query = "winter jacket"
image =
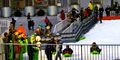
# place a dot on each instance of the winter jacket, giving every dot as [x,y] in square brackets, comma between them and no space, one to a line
[46,20]
[107,10]
[32,23]
[101,10]
[37,32]
[67,50]
[21,29]
[48,50]
[62,16]
[90,6]
[5,40]
[86,14]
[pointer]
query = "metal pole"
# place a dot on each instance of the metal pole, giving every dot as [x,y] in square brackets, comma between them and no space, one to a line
[81,53]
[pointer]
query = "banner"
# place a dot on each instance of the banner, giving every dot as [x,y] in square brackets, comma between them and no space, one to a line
[17,3]
[39,3]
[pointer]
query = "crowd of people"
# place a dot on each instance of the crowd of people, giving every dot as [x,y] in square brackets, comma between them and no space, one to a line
[15,36]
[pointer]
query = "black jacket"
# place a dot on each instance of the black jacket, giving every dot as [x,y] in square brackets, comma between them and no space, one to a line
[48,50]
[68,50]
[101,10]
[107,10]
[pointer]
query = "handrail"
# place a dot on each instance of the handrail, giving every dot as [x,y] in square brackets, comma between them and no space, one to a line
[60,26]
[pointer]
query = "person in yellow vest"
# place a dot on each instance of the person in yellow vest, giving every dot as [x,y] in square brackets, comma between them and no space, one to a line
[90,5]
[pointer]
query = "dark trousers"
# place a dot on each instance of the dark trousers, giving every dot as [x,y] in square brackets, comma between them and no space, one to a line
[49,57]
[58,55]
[6,56]
[108,14]
[32,27]
[31,57]
[100,20]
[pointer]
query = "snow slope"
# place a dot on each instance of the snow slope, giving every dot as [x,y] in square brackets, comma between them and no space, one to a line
[106,33]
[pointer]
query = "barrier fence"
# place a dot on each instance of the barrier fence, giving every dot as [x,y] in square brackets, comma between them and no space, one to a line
[61,25]
[80,52]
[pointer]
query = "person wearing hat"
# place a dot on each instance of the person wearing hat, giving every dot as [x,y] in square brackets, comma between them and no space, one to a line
[36,48]
[95,47]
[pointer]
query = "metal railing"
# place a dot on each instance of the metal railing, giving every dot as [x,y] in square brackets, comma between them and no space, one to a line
[5,23]
[80,52]
[61,25]
[68,29]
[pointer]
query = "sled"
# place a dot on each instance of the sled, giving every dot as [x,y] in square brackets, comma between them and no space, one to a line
[95,53]
[82,38]
[67,55]
[53,53]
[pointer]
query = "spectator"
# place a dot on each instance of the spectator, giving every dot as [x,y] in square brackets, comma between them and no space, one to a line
[74,12]
[62,15]
[82,14]
[107,11]
[49,24]
[101,13]
[28,16]
[21,30]
[58,50]
[96,10]
[47,31]
[30,52]
[6,49]
[67,50]
[17,50]
[29,21]
[14,40]
[89,11]
[37,32]
[46,20]
[11,27]
[32,24]
[95,47]
[68,20]
[13,21]
[90,5]
[86,14]
[52,41]
[117,10]
[48,53]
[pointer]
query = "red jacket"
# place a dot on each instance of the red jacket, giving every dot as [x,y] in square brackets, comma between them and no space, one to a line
[46,20]
[86,14]
[62,16]
[21,29]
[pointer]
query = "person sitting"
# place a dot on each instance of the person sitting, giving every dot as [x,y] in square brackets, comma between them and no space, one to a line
[67,52]
[95,48]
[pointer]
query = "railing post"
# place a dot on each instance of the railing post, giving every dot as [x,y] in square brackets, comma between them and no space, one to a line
[81,53]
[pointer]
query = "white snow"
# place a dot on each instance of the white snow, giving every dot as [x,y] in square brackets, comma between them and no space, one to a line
[106,33]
